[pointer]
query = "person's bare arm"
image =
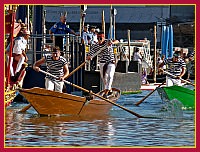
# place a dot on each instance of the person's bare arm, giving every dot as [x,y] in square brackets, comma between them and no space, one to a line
[38,63]
[24,54]
[66,72]
[182,73]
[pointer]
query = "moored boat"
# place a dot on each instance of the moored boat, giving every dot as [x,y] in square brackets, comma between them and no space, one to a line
[184,95]
[9,97]
[47,102]
[151,86]
[11,30]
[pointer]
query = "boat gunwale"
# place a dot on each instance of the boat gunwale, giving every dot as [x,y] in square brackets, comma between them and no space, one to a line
[28,91]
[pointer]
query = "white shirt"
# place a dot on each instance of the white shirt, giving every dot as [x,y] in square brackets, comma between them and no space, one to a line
[19,45]
[85,37]
[137,57]
[95,40]
[164,66]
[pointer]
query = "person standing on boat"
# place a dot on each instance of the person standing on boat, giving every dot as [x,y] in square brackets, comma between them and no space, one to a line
[61,28]
[19,53]
[177,67]
[106,59]
[57,66]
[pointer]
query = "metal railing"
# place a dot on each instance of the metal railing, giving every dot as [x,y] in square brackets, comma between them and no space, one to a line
[39,45]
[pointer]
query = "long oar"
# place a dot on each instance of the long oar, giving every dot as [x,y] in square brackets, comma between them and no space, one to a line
[85,90]
[29,106]
[180,78]
[139,102]
[25,108]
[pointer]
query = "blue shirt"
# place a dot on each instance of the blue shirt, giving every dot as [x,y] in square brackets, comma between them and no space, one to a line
[60,28]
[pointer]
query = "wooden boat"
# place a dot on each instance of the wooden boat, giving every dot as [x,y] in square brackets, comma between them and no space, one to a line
[47,102]
[151,86]
[9,97]
[184,95]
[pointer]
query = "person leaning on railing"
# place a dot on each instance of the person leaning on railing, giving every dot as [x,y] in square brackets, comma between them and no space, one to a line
[61,28]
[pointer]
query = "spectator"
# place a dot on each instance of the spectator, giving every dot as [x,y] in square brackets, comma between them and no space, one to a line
[18,54]
[60,28]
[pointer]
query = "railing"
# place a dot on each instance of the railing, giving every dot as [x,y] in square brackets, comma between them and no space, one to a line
[127,54]
[38,47]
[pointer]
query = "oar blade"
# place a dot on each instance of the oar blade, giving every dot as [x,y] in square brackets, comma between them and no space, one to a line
[25,108]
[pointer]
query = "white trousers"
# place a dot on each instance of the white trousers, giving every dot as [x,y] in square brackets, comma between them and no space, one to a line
[109,75]
[11,65]
[170,81]
[54,85]
[19,65]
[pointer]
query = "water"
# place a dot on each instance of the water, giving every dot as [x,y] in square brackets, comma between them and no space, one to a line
[175,127]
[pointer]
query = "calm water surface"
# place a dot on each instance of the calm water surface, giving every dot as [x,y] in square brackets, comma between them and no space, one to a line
[120,128]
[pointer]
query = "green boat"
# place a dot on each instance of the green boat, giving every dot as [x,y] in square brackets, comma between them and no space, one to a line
[185,95]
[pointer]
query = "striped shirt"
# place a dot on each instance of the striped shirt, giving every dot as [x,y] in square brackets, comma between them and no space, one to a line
[55,67]
[175,68]
[106,55]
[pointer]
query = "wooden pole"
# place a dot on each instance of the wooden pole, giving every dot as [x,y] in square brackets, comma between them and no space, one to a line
[103,22]
[129,41]
[114,24]
[80,26]
[155,54]
[111,32]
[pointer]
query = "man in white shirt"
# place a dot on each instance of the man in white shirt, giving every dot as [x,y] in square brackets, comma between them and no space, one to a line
[19,54]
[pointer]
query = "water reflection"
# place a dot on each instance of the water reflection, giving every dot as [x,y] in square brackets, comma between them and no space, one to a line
[32,129]
[119,128]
